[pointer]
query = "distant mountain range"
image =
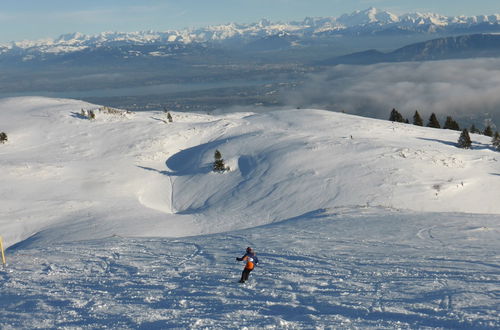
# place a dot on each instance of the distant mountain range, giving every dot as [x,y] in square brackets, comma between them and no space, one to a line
[265,55]
[263,35]
[459,47]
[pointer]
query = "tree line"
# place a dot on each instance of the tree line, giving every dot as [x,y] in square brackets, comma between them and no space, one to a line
[464,141]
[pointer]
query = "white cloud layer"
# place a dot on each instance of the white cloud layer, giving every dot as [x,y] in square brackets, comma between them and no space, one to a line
[457,88]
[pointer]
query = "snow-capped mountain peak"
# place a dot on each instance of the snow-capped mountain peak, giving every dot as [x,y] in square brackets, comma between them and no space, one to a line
[417,19]
[369,21]
[71,37]
[368,16]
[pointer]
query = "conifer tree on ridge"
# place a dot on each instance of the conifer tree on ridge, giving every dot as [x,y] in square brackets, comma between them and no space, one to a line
[417,119]
[3,137]
[433,121]
[219,165]
[396,116]
[474,130]
[488,131]
[496,141]
[464,140]
[451,124]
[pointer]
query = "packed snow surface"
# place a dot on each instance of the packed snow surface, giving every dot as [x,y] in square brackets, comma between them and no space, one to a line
[120,222]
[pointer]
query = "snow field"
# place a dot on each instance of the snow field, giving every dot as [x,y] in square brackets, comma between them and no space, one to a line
[359,223]
[135,174]
[369,268]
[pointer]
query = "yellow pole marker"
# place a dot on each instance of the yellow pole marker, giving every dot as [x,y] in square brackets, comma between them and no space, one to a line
[1,248]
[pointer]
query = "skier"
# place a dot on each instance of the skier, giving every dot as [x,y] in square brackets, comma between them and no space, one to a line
[251,261]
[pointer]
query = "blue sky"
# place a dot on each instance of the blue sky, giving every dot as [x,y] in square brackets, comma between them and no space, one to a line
[34,19]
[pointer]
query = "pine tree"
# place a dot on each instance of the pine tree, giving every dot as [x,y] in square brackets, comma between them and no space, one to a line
[474,130]
[488,131]
[169,117]
[396,116]
[3,137]
[464,140]
[451,124]
[219,165]
[417,120]
[433,121]
[91,114]
[496,141]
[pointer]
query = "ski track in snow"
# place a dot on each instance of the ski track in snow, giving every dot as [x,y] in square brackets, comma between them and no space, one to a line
[314,272]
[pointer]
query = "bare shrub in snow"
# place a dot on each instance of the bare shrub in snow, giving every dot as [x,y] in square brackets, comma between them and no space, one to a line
[113,111]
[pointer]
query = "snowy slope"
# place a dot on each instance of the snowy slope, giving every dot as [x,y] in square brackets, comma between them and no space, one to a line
[359,222]
[133,174]
[362,268]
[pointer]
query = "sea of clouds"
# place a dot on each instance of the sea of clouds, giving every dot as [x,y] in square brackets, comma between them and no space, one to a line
[458,88]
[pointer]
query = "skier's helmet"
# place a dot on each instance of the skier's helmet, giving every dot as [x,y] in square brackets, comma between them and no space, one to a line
[249,249]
